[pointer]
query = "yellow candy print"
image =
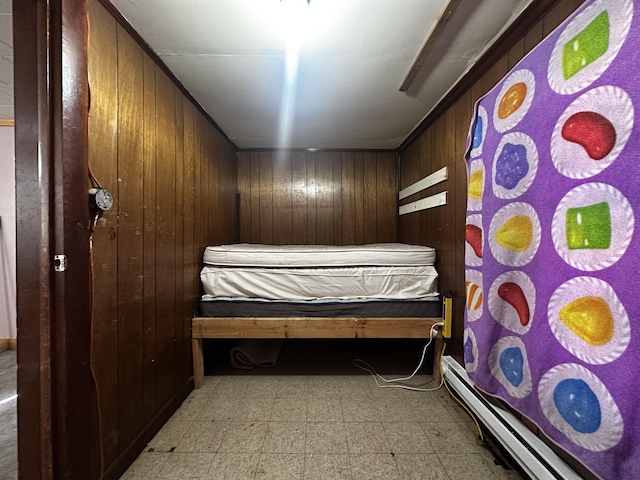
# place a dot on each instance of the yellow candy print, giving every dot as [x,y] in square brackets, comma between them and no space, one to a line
[475,185]
[590,318]
[516,233]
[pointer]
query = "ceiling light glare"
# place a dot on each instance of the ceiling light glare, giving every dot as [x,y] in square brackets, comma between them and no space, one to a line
[294,22]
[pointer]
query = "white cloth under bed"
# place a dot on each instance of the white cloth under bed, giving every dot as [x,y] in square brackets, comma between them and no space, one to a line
[377,254]
[295,284]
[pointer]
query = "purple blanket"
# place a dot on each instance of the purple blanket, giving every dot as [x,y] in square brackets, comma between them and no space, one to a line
[552,255]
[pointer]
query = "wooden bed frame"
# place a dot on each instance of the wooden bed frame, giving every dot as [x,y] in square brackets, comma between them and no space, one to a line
[316,327]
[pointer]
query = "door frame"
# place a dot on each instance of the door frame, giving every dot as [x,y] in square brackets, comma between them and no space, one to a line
[57,415]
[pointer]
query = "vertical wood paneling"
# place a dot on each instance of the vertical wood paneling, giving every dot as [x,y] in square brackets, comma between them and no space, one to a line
[370,198]
[229,155]
[181,343]
[130,248]
[348,199]
[409,228]
[103,154]
[515,54]
[299,195]
[331,198]
[358,193]
[165,237]
[190,267]
[255,198]
[198,204]
[266,197]
[213,205]
[282,207]
[312,199]
[205,200]
[244,187]
[428,233]
[561,11]
[149,240]
[168,168]
[463,112]
[336,186]
[324,198]
[445,139]
[386,194]
[533,37]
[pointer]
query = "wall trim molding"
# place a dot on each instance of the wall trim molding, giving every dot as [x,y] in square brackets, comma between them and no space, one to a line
[8,344]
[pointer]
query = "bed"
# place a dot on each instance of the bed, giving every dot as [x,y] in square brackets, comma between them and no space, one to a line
[253,291]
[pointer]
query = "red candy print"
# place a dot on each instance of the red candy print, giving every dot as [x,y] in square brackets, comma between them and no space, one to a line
[473,235]
[512,294]
[592,131]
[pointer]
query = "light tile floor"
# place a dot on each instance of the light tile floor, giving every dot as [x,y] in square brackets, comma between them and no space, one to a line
[312,427]
[8,417]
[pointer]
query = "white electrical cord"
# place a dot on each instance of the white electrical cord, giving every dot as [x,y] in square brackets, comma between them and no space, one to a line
[367,367]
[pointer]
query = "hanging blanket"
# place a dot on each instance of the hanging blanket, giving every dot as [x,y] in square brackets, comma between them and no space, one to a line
[552,256]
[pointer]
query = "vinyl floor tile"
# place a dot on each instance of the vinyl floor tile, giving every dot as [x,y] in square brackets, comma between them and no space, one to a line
[374,467]
[233,466]
[291,433]
[280,466]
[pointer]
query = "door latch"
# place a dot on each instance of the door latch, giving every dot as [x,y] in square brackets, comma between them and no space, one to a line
[60,263]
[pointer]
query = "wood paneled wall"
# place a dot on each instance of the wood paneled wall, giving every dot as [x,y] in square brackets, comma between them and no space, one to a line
[173,177]
[317,198]
[443,144]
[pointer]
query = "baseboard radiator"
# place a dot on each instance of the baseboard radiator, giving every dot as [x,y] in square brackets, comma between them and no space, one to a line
[534,456]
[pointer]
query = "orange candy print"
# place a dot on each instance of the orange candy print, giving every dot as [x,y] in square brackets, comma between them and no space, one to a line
[474,296]
[512,100]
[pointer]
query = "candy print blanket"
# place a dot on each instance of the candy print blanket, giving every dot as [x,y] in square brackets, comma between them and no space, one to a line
[552,252]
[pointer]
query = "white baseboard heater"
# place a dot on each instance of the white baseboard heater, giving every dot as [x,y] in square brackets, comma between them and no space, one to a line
[532,454]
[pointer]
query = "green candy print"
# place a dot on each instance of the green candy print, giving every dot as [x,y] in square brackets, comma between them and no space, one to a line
[586,47]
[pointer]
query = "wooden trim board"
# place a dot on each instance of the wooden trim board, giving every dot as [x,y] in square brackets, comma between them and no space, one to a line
[436,200]
[428,181]
[8,344]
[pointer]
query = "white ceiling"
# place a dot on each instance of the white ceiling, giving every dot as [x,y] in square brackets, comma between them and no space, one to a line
[230,54]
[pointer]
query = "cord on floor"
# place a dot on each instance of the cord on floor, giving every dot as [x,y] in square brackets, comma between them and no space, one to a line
[391,382]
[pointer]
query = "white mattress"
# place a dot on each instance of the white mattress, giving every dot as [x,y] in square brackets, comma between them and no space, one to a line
[377,254]
[295,284]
